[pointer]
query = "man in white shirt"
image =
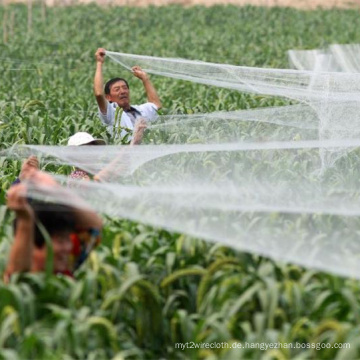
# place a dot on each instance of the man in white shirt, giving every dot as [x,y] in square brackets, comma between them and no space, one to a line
[114,99]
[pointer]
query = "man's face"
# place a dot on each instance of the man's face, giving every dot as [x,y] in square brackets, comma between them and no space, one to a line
[120,93]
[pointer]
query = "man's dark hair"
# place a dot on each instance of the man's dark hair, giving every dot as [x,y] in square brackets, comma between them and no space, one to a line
[54,217]
[113,81]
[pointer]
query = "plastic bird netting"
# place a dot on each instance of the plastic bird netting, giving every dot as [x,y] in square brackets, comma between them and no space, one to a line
[340,58]
[283,182]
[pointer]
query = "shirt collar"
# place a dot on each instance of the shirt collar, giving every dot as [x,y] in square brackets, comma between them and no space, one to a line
[133,108]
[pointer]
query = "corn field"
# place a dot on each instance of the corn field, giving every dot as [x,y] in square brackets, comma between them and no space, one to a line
[144,290]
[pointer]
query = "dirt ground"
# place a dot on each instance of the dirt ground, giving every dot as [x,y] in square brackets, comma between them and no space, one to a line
[301,4]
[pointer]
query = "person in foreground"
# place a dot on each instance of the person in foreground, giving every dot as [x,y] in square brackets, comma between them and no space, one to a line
[74,231]
[116,94]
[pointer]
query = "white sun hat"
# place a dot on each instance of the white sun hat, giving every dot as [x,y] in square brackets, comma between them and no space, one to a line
[84,138]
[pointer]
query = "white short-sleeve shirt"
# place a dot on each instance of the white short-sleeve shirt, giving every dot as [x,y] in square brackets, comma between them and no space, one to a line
[127,120]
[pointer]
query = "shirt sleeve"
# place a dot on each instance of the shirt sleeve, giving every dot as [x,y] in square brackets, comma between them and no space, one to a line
[149,110]
[108,118]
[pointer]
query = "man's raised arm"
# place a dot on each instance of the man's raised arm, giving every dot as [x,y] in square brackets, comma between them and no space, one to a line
[151,93]
[99,82]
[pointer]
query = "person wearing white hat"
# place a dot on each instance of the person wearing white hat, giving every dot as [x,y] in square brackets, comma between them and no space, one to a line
[78,139]
[81,139]
[84,138]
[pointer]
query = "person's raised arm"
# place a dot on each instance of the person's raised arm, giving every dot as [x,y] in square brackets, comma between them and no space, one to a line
[31,162]
[20,258]
[119,165]
[138,133]
[151,93]
[99,82]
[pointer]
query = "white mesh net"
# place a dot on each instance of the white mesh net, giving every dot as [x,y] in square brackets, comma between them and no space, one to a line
[340,58]
[332,98]
[271,181]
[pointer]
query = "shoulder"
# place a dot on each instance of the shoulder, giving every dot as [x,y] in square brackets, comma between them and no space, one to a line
[148,110]
[83,241]
[112,107]
[109,116]
[149,105]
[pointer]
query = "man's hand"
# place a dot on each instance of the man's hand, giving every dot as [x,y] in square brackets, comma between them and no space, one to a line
[139,73]
[30,163]
[141,124]
[139,129]
[16,201]
[99,82]
[100,55]
[149,88]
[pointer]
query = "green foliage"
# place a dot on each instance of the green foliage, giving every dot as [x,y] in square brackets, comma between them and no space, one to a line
[145,289]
